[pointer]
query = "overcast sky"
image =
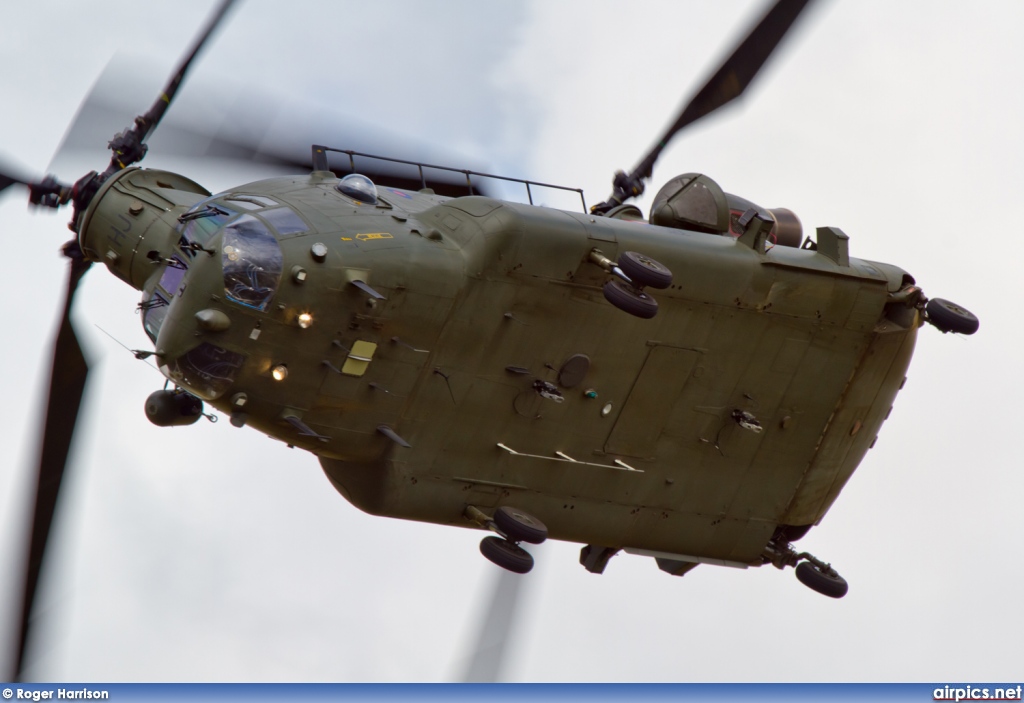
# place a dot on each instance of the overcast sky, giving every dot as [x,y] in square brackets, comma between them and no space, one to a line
[212,553]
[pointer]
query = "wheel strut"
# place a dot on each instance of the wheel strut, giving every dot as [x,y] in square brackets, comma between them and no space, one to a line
[511,526]
[944,315]
[810,570]
[632,273]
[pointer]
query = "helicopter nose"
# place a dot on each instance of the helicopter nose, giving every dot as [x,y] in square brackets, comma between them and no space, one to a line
[207,371]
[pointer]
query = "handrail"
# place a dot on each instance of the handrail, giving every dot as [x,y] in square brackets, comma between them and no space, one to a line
[320,164]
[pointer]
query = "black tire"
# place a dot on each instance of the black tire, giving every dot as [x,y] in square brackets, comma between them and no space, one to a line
[506,554]
[629,300]
[645,271]
[950,317]
[519,526]
[817,580]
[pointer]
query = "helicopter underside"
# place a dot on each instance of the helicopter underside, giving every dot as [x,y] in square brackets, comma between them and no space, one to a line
[702,485]
[695,434]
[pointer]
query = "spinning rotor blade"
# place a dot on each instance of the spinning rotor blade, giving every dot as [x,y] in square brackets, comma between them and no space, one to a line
[733,77]
[70,369]
[727,84]
[244,132]
[67,385]
[251,125]
[129,146]
[488,655]
[7,180]
[156,112]
[49,191]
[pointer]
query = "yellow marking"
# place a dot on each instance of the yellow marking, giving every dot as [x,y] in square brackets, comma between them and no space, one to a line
[373,235]
[359,358]
[346,239]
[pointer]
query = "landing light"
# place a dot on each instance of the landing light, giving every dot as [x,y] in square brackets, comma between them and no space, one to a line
[305,320]
[279,372]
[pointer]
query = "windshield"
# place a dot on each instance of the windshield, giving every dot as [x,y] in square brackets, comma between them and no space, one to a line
[198,225]
[252,262]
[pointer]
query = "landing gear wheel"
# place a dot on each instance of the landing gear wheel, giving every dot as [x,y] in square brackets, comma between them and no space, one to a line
[628,299]
[645,271]
[950,317]
[831,585]
[519,526]
[507,555]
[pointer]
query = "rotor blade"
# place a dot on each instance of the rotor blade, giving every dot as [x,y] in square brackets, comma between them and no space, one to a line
[488,655]
[48,192]
[8,179]
[156,112]
[67,385]
[733,77]
[272,130]
[128,147]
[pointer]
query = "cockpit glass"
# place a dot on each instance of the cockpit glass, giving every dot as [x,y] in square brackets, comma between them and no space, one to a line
[154,310]
[285,221]
[202,222]
[171,278]
[251,202]
[207,371]
[252,262]
[244,204]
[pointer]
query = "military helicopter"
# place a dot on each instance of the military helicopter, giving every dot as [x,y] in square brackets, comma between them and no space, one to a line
[397,361]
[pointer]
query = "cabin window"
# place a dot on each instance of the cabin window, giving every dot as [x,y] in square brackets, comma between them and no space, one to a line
[252,262]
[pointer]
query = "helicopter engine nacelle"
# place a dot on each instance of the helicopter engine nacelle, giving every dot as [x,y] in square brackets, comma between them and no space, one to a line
[694,202]
[131,223]
[788,232]
[173,408]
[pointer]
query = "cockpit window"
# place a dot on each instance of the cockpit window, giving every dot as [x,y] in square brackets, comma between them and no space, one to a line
[155,304]
[251,202]
[199,224]
[172,276]
[252,262]
[285,221]
[207,371]
[358,187]
[154,310]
